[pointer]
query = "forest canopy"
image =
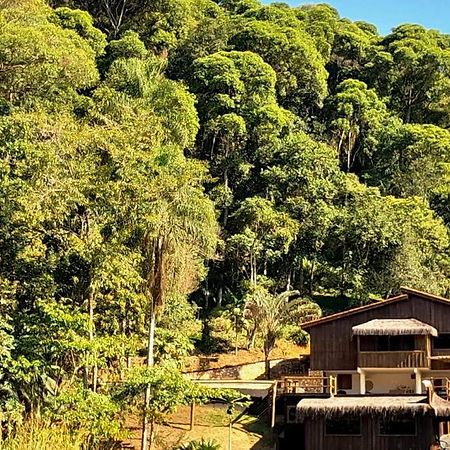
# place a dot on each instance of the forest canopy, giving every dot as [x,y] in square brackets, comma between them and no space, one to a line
[160,159]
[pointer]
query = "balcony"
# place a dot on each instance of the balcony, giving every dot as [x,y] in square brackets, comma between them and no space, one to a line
[393,359]
[308,385]
[394,343]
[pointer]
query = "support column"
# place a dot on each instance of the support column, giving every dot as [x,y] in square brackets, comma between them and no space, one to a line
[418,381]
[274,404]
[362,381]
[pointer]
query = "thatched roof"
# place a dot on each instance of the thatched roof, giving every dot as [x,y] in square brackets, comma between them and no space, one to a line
[363,405]
[441,407]
[394,327]
[397,406]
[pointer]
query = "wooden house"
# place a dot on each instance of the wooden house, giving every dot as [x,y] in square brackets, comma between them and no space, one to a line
[390,362]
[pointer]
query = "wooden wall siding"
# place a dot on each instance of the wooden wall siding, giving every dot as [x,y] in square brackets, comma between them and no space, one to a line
[370,439]
[393,359]
[332,343]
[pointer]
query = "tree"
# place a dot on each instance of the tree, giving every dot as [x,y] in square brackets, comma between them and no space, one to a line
[303,176]
[180,224]
[301,75]
[357,117]
[418,73]
[273,312]
[169,390]
[263,235]
[321,22]
[410,160]
[111,15]
[354,48]
[33,54]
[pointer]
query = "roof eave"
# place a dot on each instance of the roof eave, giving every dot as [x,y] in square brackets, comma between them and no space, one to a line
[353,311]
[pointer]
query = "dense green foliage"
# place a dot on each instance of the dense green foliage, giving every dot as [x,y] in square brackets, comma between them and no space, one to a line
[160,159]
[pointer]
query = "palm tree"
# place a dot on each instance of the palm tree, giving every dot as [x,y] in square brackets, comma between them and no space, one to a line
[270,313]
[180,232]
[200,445]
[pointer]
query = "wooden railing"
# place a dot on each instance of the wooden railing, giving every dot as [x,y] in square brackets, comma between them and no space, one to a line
[441,387]
[415,358]
[308,385]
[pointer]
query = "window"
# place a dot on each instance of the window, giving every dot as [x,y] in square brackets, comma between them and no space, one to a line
[442,341]
[344,381]
[397,427]
[349,426]
[395,343]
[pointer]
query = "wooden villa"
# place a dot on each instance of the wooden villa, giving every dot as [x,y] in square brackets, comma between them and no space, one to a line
[388,370]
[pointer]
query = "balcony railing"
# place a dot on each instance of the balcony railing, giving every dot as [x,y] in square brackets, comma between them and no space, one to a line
[308,385]
[441,387]
[397,359]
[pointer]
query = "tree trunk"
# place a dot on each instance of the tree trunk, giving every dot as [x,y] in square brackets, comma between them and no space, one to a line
[150,362]
[301,280]
[91,336]
[252,336]
[409,107]
[220,295]
[349,152]
[225,210]
[253,269]
[311,276]
[152,435]
[289,279]
[235,335]
[127,330]
[267,364]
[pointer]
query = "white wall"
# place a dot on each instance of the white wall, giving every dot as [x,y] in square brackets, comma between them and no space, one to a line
[391,381]
[383,382]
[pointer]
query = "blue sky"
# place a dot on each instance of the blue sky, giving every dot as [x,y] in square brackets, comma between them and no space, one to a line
[386,14]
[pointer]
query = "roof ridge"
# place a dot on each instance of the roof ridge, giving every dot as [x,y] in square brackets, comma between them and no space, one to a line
[405,291]
[408,290]
[352,311]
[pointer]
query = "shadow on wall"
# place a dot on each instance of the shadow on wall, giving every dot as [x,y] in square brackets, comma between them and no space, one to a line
[286,367]
[254,371]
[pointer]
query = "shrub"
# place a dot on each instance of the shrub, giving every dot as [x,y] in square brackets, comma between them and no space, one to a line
[200,445]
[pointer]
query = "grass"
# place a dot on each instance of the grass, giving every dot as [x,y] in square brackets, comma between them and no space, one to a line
[211,423]
[41,436]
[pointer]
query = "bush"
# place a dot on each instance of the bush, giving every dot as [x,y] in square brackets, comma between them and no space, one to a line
[200,445]
[295,334]
[91,416]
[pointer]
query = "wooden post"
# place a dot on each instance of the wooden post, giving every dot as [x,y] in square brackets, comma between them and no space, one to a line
[362,381]
[418,381]
[191,427]
[358,348]
[333,385]
[274,401]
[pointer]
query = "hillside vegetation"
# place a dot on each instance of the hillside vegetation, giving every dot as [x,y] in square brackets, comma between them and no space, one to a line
[170,168]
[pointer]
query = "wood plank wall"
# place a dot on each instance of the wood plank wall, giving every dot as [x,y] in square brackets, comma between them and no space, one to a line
[315,438]
[334,348]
